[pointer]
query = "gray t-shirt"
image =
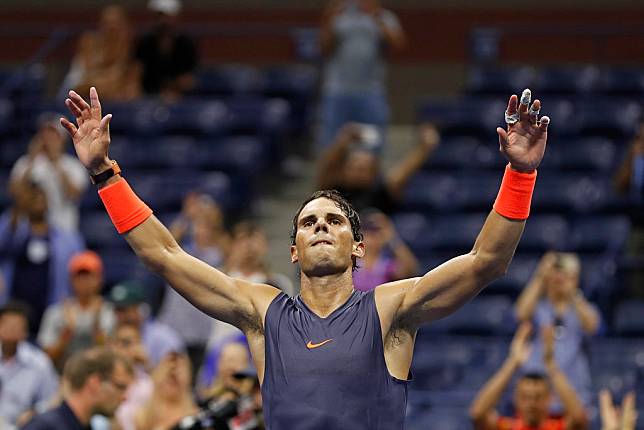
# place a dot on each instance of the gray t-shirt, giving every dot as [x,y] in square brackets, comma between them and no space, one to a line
[357,64]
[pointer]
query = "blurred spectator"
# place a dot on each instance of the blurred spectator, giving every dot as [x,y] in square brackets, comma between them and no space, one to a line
[248,258]
[96,381]
[129,307]
[34,255]
[171,398]
[354,35]
[553,297]
[630,182]
[28,379]
[200,231]
[169,57]
[103,59]
[387,257]
[126,340]
[532,393]
[233,357]
[60,175]
[80,321]
[354,171]
[614,418]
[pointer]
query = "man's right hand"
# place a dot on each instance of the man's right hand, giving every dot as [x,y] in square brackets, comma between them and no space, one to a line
[91,135]
[520,348]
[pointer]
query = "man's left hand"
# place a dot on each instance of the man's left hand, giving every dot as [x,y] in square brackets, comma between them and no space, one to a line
[524,141]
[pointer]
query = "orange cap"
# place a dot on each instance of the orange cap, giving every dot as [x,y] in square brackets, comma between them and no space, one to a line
[88,261]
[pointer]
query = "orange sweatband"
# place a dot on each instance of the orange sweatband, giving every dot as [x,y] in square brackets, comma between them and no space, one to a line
[126,209]
[515,195]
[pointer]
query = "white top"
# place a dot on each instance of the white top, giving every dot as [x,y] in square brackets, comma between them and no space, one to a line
[62,211]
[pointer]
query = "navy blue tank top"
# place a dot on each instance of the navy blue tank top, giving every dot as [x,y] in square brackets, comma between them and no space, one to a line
[329,373]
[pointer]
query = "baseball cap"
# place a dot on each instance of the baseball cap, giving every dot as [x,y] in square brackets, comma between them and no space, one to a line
[168,7]
[87,261]
[127,293]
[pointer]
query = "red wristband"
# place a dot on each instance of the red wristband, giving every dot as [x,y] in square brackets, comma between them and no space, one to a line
[126,209]
[515,195]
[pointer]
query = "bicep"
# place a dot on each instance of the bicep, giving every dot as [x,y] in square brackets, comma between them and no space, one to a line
[442,290]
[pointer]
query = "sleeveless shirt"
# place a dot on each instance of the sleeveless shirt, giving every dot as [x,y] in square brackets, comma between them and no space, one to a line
[329,373]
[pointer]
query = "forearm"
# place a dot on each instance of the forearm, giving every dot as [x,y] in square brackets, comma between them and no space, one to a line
[399,177]
[406,261]
[393,37]
[587,314]
[331,159]
[527,301]
[486,399]
[573,407]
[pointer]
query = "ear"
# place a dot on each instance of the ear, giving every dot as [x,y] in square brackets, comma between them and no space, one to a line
[358,249]
[294,257]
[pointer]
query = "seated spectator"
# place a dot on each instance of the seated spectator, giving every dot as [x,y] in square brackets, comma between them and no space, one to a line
[60,175]
[126,340]
[354,37]
[168,57]
[387,258]
[103,59]
[96,381]
[129,307]
[532,393]
[248,258]
[200,231]
[28,380]
[171,398]
[629,182]
[354,170]
[34,255]
[614,418]
[553,297]
[81,321]
[233,357]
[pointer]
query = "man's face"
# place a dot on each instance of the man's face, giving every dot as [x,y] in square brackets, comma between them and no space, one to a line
[532,401]
[13,328]
[111,392]
[53,140]
[127,342]
[86,284]
[562,283]
[234,358]
[324,242]
[360,170]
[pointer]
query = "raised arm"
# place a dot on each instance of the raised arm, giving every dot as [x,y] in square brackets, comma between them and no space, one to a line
[483,409]
[574,412]
[529,297]
[234,301]
[447,287]
[333,157]
[397,179]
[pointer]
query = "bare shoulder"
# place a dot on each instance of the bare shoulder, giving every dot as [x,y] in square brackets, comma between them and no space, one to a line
[390,297]
[259,297]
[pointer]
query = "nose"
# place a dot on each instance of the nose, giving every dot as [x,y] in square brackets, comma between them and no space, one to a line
[321,225]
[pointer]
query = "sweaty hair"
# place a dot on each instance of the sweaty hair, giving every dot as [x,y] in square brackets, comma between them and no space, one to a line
[342,203]
[95,361]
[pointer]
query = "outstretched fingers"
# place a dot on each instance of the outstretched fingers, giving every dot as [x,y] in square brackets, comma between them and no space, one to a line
[526,97]
[75,110]
[95,103]
[512,112]
[533,112]
[69,126]
[544,123]
[82,105]
[105,123]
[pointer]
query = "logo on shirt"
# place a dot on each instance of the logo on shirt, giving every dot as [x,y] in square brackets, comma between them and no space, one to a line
[312,345]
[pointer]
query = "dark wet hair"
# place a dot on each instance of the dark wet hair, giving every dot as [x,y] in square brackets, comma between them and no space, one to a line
[535,377]
[342,203]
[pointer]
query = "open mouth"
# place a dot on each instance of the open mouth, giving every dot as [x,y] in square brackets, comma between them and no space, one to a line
[322,242]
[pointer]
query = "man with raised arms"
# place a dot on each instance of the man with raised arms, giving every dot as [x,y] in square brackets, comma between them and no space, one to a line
[332,357]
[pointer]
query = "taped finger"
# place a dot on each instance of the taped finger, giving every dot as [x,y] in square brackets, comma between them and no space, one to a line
[526,97]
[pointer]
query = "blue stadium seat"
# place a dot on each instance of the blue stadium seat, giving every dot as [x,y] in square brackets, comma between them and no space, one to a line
[501,81]
[571,193]
[459,153]
[414,228]
[469,117]
[629,318]
[487,315]
[592,153]
[521,269]
[443,420]
[566,80]
[599,233]
[543,233]
[226,80]
[98,231]
[237,154]
[6,115]
[626,82]
[253,115]
[290,81]
[434,191]
[456,232]
[120,264]
[10,150]
[613,119]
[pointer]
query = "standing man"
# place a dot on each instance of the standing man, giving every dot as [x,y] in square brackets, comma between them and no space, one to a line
[354,35]
[532,394]
[331,357]
[96,382]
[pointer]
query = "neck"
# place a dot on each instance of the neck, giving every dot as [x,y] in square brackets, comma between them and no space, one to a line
[78,403]
[325,294]
[9,350]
